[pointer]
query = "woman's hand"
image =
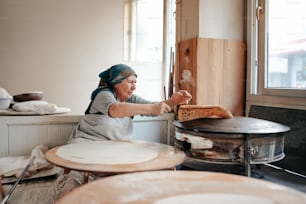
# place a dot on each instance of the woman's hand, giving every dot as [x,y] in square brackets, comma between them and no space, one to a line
[181,97]
[160,108]
[178,98]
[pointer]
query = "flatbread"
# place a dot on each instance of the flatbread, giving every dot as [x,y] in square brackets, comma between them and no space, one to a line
[192,112]
[214,198]
[106,152]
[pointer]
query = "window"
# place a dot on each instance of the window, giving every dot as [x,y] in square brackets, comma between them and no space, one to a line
[281,48]
[149,34]
[143,30]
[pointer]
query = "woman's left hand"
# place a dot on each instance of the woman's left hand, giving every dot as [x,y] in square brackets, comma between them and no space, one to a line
[181,97]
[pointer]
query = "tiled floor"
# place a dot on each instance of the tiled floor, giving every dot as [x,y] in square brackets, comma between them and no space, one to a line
[282,177]
[260,172]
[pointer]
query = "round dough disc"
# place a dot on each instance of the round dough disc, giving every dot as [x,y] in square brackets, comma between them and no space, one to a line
[214,198]
[106,152]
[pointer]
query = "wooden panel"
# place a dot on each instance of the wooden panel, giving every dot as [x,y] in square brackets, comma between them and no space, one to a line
[202,72]
[233,90]
[210,60]
[217,67]
[187,67]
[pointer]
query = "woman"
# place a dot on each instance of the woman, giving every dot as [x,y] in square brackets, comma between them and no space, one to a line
[113,105]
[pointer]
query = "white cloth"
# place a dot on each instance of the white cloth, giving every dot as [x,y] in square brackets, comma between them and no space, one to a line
[196,142]
[39,107]
[14,165]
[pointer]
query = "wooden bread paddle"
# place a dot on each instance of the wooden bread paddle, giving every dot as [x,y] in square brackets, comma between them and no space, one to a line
[192,112]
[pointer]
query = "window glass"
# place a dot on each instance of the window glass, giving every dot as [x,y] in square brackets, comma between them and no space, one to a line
[286,44]
[143,39]
[149,34]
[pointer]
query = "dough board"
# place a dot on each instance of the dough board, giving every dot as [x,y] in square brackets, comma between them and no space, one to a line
[163,187]
[214,198]
[146,156]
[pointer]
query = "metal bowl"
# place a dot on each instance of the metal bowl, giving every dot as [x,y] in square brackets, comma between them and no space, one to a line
[30,96]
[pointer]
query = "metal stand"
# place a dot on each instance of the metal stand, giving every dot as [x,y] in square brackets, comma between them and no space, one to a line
[247,156]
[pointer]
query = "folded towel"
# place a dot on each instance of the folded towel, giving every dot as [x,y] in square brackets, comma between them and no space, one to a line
[39,107]
[14,165]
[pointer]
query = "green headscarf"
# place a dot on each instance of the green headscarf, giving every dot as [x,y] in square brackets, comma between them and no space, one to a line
[112,76]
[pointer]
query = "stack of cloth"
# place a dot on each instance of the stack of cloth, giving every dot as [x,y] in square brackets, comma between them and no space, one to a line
[39,107]
[36,191]
[13,166]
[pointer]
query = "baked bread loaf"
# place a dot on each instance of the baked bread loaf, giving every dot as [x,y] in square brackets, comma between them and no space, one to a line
[192,112]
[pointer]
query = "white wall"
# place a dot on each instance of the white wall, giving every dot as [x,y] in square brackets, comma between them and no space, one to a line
[221,19]
[59,47]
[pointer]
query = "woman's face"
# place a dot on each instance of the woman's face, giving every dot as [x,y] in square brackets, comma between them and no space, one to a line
[125,89]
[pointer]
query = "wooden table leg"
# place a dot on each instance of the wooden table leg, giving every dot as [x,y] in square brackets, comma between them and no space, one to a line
[1,189]
[85,177]
[67,171]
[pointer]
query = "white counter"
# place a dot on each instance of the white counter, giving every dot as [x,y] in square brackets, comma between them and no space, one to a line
[20,134]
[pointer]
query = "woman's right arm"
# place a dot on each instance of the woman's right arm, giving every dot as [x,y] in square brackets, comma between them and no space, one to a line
[132,109]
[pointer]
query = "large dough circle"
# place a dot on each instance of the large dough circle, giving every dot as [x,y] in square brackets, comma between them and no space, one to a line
[214,198]
[183,186]
[106,152]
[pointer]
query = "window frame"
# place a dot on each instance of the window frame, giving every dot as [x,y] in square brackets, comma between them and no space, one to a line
[261,13]
[257,93]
